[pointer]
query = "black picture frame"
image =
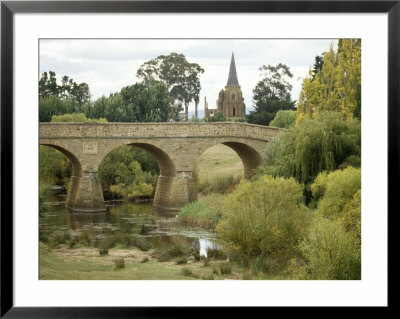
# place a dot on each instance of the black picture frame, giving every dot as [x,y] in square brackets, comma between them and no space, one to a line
[9,8]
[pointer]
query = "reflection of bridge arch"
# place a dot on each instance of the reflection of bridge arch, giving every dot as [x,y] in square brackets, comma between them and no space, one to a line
[175,146]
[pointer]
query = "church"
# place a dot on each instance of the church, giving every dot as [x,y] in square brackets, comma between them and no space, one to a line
[230,101]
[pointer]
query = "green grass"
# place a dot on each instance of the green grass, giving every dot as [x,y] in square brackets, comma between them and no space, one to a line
[91,266]
[53,267]
[205,212]
[219,169]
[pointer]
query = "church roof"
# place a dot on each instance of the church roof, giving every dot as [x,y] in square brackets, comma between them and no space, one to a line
[232,77]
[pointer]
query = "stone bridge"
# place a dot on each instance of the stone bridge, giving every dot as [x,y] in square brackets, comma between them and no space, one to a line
[175,146]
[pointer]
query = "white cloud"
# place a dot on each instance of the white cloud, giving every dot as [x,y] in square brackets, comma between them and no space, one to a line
[108,65]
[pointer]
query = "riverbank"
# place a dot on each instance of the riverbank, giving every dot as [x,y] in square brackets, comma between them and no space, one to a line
[85,263]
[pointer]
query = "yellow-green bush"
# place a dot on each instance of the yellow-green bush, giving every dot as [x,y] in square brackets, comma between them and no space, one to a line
[330,252]
[319,186]
[75,117]
[339,190]
[351,217]
[264,217]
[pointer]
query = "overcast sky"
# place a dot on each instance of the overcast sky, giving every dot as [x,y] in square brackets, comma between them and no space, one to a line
[109,65]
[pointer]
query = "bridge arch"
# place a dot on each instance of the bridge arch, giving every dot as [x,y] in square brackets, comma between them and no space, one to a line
[73,188]
[166,166]
[251,156]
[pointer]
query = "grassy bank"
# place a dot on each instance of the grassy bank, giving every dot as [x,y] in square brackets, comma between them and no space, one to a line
[85,263]
[205,212]
[218,170]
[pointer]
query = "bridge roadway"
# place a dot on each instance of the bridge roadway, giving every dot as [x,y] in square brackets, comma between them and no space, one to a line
[175,146]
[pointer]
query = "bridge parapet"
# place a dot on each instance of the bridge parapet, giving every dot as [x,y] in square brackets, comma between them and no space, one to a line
[151,130]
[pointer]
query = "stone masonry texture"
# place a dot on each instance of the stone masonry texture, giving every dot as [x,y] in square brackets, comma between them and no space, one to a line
[175,146]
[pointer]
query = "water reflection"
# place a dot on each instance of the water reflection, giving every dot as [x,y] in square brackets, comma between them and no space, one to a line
[122,220]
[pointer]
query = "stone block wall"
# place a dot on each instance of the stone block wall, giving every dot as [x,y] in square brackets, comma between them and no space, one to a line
[175,146]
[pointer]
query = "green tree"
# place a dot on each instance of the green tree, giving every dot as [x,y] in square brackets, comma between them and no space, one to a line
[134,103]
[336,86]
[271,94]
[284,119]
[319,62]
[48,85]
[53,105]
[181,77]
[68,89]
[54,167]
[129,171]
[313,146]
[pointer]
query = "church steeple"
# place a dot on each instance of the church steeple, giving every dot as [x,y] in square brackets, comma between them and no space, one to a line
[232,78]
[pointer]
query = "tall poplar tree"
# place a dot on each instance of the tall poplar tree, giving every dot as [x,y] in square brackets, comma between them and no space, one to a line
[337,86]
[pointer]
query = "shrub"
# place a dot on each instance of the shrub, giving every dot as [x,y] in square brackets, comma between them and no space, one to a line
[222,184]
[181,261]
[339,190]
[142,243]
[188,272]
[168,253]
[215,253]
[284,119]
[330,252]
[215,270]
[75,117]
[225,268]
[119,263]
[351,217]
[105,244]
[103,251]
[264,217]
[218,117]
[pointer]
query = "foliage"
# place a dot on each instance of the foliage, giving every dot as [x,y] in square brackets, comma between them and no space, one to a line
[284,119]
[351,217]
[54,167]
[204,212]
[271,94]
[337,86]
[330,252]
[319,186]
[340,188]
[221,183]
[181,78]
[119,263]
[218,117]
[68,89]
[264,217]
[313,146]
[75,117]
[134,103]
[53,105]
[319,62]
[121,172]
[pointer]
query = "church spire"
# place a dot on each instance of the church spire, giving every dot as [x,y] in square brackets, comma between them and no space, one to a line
[232,78]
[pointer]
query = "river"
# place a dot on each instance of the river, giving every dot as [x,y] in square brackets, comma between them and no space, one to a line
[124,221]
